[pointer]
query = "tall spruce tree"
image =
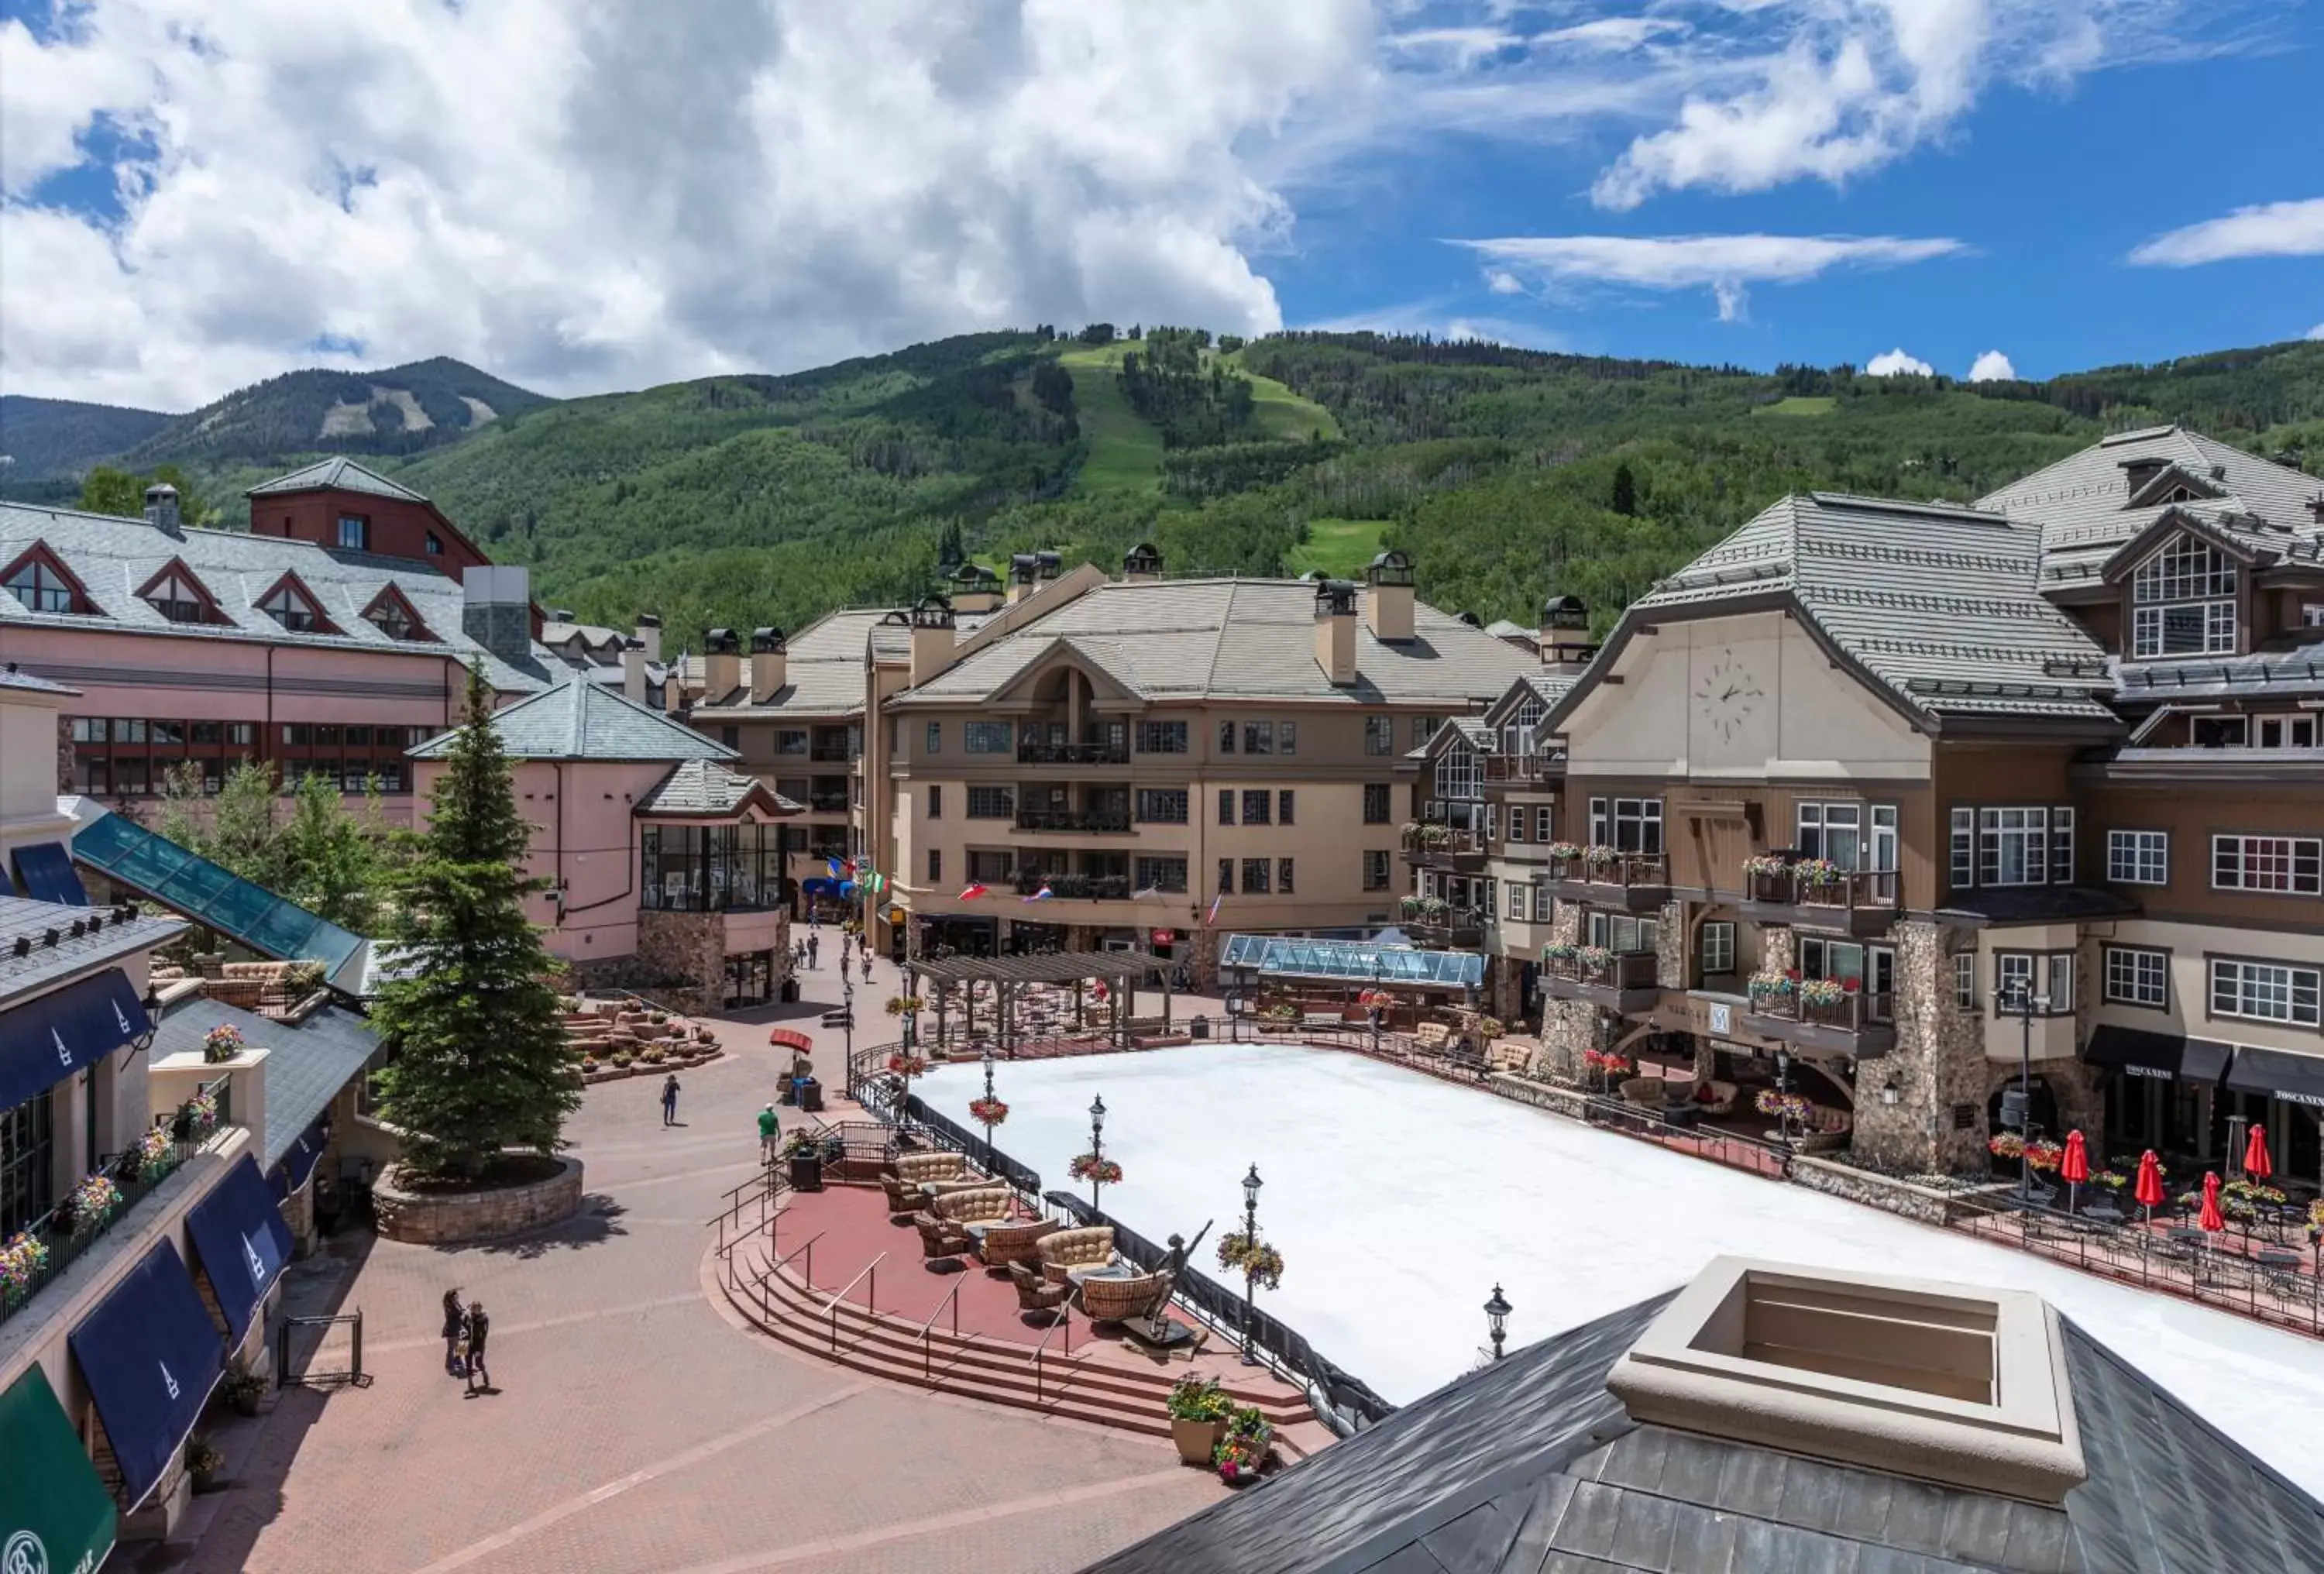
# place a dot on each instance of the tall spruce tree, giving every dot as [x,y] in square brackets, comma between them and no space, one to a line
[480,1060]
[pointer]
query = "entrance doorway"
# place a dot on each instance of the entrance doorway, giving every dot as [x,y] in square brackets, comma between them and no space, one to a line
[751,978]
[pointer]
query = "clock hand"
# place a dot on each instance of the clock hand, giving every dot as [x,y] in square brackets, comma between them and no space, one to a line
[1729,693]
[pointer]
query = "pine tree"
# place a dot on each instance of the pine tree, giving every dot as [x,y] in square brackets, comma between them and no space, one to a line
[1626,489]
[481,1062]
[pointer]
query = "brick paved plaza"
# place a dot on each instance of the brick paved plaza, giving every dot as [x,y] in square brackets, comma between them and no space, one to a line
[637,1427]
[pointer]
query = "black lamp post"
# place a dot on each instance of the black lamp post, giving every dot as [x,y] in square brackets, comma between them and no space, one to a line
[1097,1145]
[1782,1094]
[2021,998]
[1497,1320]
[1251,1185]
[1377,1011]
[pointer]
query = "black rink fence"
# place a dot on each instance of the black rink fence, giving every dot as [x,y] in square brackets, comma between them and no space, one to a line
[946,1132]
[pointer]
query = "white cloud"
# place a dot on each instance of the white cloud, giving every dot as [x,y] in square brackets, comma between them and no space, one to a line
[2316,332]
[1501,281]
[2272,229]
[1993,367]
[1726,265]
[1897,363]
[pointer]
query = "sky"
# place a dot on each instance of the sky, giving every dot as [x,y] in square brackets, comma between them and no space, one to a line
[583,196]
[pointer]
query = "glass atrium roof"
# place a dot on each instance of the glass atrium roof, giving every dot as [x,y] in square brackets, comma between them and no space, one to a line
[1353,961]
[190,884]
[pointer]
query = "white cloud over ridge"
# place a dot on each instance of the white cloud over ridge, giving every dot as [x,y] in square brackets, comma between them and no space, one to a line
[1726,265]
[2269,229]
[1897,363]
[2316,332]
[1993,367]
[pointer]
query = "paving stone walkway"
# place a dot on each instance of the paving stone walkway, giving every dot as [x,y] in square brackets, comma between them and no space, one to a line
[635,1425]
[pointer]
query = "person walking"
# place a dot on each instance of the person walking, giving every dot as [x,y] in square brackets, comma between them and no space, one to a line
[669,1099]
[845,955]
[478,1326]
[452,1331]
[812,947]
[770,1127]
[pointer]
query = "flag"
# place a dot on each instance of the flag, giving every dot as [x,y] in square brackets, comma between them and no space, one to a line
[1042,894]
[840,868]
[975,889]
[873,881]
[1213,916]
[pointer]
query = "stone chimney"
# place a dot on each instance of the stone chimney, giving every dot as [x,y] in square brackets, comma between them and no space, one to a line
[1388,607]
[1565,634]
[932,639]
[769,664]
[1335,631]
[496,611]
[649,634]
[162,510]
[975,589]
[1141,564]
[722,666]
[633,669]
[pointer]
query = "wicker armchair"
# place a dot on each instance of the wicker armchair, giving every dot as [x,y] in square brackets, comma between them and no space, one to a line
[1000,1245]
[939,1237]
[907,1188]
[1069,1249]
[1035,1294]
[1124,1299]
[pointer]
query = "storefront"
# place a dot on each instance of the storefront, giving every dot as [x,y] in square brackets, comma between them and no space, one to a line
[2281,1093]
[2162,1092]
[751,978]
[151,1354]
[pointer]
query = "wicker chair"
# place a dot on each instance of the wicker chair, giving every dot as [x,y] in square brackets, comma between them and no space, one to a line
[1035,1294]
[1002,1245]
[939,1237]
[1124,1299]
[982,1205]
[907,1188]
[1069,1249]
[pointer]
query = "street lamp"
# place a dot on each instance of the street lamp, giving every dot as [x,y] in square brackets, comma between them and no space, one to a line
[1782,1092]
[1097,1145]
[1377,1011]
[2018,1103]
[1251,1185]
[1497,1320]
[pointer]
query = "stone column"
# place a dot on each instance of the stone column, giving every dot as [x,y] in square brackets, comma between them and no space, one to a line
[1938,1064]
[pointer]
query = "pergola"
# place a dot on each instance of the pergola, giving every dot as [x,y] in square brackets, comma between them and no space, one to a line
[1123,969]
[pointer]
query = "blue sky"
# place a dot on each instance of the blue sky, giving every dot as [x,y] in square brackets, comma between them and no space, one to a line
[583,196]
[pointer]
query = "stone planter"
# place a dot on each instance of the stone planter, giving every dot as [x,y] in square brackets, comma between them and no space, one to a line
[1196,1439]
[451,1217]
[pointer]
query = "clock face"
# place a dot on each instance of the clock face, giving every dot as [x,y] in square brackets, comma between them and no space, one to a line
[1727,695]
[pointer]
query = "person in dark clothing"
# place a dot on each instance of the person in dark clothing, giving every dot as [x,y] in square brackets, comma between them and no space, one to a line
[477,1326]
[670,1101]
[453,1321]
[812,946]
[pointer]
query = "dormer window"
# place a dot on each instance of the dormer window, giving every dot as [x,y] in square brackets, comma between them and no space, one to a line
[2183,601]
[1519,729]
[1458,775]
[392,616]
[289,604]
[435,544]
[354,533]
[41,583]
[178,596]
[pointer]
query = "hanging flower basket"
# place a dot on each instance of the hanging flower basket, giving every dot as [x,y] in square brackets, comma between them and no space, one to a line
[2007,1145]
[1252,1257]
[987,1111]
[1795,1108]
[2043,1156]
[153,1151]
[903,1005]
[906,1065]
[1089,1167]
[222,1043]
[1823,992]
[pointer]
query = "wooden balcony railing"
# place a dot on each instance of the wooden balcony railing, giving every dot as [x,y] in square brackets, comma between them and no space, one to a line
[1621,970]
[1814,886]
[1523,768]
[1624,869]
[1855,1011]
[1032,753]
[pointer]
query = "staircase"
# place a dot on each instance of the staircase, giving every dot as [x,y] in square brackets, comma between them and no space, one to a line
[1090,1383]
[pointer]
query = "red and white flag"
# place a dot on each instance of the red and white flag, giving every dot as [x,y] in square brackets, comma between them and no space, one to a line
[975,889]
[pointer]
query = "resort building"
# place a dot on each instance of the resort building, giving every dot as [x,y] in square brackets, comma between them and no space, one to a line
[1913,793]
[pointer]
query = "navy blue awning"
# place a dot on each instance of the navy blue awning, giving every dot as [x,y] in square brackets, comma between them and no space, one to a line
[816,885]
[242,1242]
[45,871]
[151,1355]
[50,1036]
[306,1152]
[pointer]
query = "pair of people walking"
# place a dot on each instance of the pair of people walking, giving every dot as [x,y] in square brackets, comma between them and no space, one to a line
[466,1329]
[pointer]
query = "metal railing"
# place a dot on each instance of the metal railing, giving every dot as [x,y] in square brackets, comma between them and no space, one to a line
[1669,1129]
[67,1237]
[1853,1012]
[1106,820]
[308,1334]
[1806,887]
[1030,754]
[927,1344]
[1620,970]
[1097,888]
[871,1297]
[1041,1351]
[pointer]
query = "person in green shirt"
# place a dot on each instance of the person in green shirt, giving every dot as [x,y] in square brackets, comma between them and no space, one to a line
[767,1126]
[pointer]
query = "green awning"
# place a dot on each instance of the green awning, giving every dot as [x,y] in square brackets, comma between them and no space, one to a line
[55,1514]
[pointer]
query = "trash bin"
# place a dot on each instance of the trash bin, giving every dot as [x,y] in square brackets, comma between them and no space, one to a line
[810,1095]
[1200,1027]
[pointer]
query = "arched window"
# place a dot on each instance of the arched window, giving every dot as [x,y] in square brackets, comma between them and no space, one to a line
[2183,601]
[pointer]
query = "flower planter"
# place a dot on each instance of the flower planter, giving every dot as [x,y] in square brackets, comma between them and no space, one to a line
[1197,1440]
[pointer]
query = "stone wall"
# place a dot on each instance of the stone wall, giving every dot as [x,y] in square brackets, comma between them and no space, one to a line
[1883,1191]
[680,963]
[447,1218]
[1938,1064]
[1671,939]
[1568,1027]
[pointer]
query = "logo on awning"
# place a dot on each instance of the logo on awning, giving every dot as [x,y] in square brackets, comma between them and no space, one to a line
[168,1381]
[23,1554]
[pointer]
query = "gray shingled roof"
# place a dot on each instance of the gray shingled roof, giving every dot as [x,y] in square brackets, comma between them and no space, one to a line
[306,1065]
[1937,604]
[114,557]
[704,789]
[823,673]
[338,472]
[1531,1466]
[11,677]
[578,720]
[1236,639]
[45,966]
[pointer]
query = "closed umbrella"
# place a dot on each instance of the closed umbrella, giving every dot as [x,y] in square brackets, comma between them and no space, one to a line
[2210,1218]
[2257,1165]
[2148,1193]
[2074,1166]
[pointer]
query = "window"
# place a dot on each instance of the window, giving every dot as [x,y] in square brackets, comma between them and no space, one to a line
[2135,977]
[1965,981]
[1424,728]
[2012,974]
[2311,615]
[2138,858]
[354,533]
[1618,932]
[1486,891]
[1833,832]
[1283,806]
[987,737]
[2220,732]
[435,544]
[730,736]
[1257,806]
[1375,803]
[2287,733]
[1517,823]
[1718,947]
[936,800]
[1161,737]
[2047,975]
[1283,876]
[173,596]
[1286,737]
[1161,874]
[2264,992]
[1379,735]
[2013,847]
[1226,805]
[991,803]
[2182,601]
[935,864]
[2293,864]
[1492,821]
[1963,866]
[933,744]
[2061,847]
[1226,876]
[37,585]
[1162,805]
[1226,737]
[1256,876]
[989,866]
[1259,737]
[392,616]
[1459,774]
[1517,732]
[1545,824]
[1627,825]
[1542,910]
[790,740]
[294,612]
[1376,869]
[1519,901]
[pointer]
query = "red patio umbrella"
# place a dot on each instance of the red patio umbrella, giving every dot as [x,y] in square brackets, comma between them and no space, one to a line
[2210,1218]
[2074,1166]
[2148,1194]
[2257,1165]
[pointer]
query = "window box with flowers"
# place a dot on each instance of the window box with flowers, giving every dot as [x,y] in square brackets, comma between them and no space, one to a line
[92,1203]
[1763,865]
[1598,856]
[1772,986]
[221,1043]
[196,1118]
[1593,960]
[22,1260]
[1821,992]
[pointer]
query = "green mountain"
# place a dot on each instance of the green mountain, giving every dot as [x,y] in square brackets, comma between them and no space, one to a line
[46,437]
[401,410]
[1505,472]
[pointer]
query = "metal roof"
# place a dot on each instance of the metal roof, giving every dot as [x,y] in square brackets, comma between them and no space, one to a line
[44,966]
[1353,961]
[2081,502]
[702,789]
[577,720]
[1047,967]
[337,472]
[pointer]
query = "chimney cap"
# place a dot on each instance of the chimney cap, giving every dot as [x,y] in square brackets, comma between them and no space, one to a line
[632,642]
[649,620]
[1564,611]
[562,615]
[974,573]
[765,641]
[1472,619]
[933,612]
[1390,568]
[1334,598]
[159,490]
[1048,564]
[1020,566]
[1142,559]
[721,641]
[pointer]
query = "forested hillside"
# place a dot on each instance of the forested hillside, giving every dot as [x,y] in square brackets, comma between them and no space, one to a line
[1505,472]
[60,437]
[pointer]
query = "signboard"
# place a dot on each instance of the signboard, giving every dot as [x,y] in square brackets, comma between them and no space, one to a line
[1722,1019]
[2157,1072]
[1165,937]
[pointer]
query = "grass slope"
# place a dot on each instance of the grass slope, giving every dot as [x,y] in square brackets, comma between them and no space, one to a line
[1798,405]
[1125,452]
[1282,414]
[1341,549]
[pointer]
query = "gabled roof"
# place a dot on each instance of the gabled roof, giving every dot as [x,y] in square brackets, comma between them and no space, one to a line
[176,567]
[2240,535]
[704,789]
[337,472]
[290,582]
[390,595]
[578,720]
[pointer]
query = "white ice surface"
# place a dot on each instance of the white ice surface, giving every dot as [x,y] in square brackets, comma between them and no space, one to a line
[1397,1201]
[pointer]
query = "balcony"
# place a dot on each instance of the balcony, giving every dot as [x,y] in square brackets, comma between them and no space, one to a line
[1812,892]
[1629,882]
[1625,982]
[1075,888]
[828,803]
[1858,1022]
[1041,820]
[1431,922]
[1524,767]
[1030,752]
[1452,848]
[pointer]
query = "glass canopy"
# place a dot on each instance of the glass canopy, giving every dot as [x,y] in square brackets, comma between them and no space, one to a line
[1353,961]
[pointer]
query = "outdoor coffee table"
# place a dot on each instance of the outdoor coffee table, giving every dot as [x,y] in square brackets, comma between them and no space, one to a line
[2279,1257]
[1111,1271]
